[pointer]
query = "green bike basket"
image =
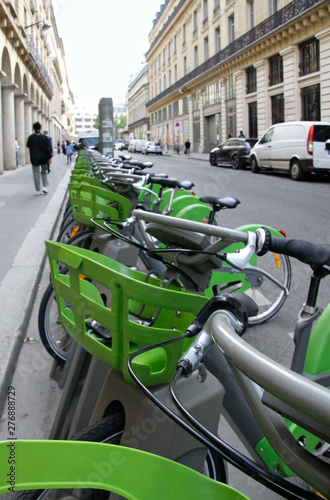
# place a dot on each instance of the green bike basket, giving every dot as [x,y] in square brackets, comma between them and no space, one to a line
[134,474]
[89,199]
[135,311]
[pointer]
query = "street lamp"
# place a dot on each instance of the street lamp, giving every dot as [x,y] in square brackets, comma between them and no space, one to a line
[44,27]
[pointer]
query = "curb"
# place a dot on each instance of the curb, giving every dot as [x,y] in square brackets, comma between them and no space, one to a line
[19,287]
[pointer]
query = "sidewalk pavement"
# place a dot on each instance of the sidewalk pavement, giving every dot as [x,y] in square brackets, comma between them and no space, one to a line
[192,156]
[20,283]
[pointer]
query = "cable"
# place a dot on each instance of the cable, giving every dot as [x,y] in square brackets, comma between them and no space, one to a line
[232,456]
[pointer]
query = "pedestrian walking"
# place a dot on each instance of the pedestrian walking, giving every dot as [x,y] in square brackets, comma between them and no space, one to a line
[69,151]
[40,154]
[241,135]
[58,147]
[187,147]
[51,148]
[16,151]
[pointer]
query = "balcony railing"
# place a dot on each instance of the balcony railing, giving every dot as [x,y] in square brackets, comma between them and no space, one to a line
[278,20]
[36,56]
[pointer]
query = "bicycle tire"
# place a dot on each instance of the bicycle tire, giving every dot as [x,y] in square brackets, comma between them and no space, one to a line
[52,335]
[69,229]
[109,430]
[54,338]
[268,296]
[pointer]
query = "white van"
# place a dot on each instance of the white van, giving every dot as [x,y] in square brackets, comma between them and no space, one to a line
[295,147]
[136,145]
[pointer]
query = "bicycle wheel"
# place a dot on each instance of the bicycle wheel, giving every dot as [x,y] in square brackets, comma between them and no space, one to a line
[265,280]
[69,230]
[54,338]
[109,430]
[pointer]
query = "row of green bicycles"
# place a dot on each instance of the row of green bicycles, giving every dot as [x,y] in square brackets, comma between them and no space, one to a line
[145,316]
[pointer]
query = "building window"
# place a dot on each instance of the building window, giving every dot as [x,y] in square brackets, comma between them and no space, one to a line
[309,57]
[185,105]
[174,44]
[231,29]
[169,50]
[196,130]
[253,120]
[251,80]
[230,87]
[184,34]
[275,70]
[196,56]
[310,103]
[155,89]
[184,66]
[277,108]
[216,6]
[217,39]
[195,22]
[175,109]
[159,62]
[169,78]
[252,14]
[206,48]
[231,118]
[175,73]
[164,82]
[180,107]
[160,85]
[195,101]
[205,11]
[164,56]
[273,6]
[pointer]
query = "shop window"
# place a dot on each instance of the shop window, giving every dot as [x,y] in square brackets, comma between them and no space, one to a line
[253,120]
[310,103]
[277,108]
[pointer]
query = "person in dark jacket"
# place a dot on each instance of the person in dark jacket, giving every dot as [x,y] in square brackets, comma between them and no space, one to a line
[40,153]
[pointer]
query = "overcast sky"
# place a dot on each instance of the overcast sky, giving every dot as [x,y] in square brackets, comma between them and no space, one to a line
[104,42]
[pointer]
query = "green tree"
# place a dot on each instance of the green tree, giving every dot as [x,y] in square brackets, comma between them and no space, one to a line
[120,123]
[96,123]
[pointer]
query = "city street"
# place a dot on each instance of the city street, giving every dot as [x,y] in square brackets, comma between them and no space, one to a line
[301,209]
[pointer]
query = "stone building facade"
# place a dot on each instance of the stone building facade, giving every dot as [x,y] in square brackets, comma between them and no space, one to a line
[33,79]
[138,119]
[221,66]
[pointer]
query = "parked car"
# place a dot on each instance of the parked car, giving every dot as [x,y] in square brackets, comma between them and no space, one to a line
[234,152]
[152,147]
[295,147]
[120,145]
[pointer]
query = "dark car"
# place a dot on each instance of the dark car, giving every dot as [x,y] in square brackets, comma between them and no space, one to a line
[234,152]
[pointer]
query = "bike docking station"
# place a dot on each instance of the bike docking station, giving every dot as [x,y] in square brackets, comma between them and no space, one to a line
[97,383]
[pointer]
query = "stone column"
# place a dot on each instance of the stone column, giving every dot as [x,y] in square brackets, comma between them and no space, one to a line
[291,88]
[262,98]
[324,37]
[2,75]
[223,124]
[240,101]
[8,125]
[20,126]
[28,127]
[201,122]
[34,114]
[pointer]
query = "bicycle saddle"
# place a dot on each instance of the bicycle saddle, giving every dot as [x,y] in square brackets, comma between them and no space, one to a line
[219,203]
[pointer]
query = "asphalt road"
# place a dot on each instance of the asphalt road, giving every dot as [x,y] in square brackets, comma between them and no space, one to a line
[301,209]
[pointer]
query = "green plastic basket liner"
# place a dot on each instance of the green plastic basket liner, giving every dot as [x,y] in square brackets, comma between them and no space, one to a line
[133,309]
[89,200]
[134,474]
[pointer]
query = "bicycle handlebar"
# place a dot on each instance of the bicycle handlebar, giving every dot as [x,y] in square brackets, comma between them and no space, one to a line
[306,252]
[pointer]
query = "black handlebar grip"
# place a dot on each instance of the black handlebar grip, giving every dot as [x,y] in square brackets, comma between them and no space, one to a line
[304,251]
